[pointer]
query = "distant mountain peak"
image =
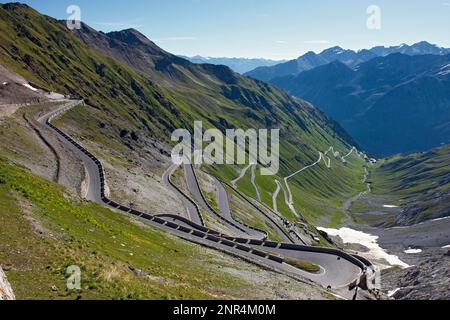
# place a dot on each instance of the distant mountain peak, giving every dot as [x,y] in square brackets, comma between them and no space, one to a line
[335,68]
[390,104]
[309,54]
[131,36]
[425,43]
[240,65]
[333,50]
[15,5]
[351,58]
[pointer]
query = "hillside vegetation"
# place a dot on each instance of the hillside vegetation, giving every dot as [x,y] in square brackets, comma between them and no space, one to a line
[407,190]
[422,183]
[389,105]
[44,229]
[137,94]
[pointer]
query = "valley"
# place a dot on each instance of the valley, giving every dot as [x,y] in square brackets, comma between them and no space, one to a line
[392,103]
[87,180]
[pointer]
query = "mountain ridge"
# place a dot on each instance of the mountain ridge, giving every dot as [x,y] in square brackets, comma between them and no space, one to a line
[239,65]
[349,57]
[136,96]
[383,101]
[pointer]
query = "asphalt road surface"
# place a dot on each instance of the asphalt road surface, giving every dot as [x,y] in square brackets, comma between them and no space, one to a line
[338,269]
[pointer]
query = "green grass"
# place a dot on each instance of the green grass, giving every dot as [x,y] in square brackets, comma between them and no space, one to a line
[303,265]
[104,244]
[15,139]
[245,213]
[123,97]
[418,183]
[319,193]
[414,174]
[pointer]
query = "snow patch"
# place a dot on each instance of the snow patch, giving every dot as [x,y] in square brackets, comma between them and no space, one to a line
[369,241]
[393,292]
[389,206]
[446,247]
[5,83]
[444,73]
[422,223]
[413,251]
[444,70]
[55,96]
[27,85]
[440,219]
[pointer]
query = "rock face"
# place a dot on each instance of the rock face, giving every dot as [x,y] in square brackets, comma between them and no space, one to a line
[428,281]
[13,90]
[6,292]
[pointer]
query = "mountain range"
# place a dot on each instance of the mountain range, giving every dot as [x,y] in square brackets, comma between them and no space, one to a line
[351,58]
[392,104]
[239,65]
[138,94]
[130,95]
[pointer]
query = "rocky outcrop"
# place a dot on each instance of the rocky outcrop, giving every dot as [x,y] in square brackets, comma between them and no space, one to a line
[428,281]
[6,292]
[15,92]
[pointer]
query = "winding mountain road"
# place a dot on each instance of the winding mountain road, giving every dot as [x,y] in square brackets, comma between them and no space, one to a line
[255,185]
[223,201]
[241,175]
[289,199]
[191,208]
[339,270]
[275,196]
[194,188]
[93,181]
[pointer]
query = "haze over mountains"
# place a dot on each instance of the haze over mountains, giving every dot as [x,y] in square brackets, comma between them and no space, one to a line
[136,94]
[393,104]
[351,58]
[267,69]
[390,100]
[240,65]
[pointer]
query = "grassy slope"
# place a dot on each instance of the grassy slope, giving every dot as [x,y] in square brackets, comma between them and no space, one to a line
[319,193]
[243,212]
[87,235]
[42,50]
[16,142]
[104,244]
[420,182]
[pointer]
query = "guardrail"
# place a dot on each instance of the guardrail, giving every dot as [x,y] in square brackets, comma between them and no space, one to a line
[219,215]
[248,226]
[188,199]
[335,252]
[204,233]
[366,262]
[189,222]
[201,232]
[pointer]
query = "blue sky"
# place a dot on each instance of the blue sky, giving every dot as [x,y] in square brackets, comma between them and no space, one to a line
[277,29]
